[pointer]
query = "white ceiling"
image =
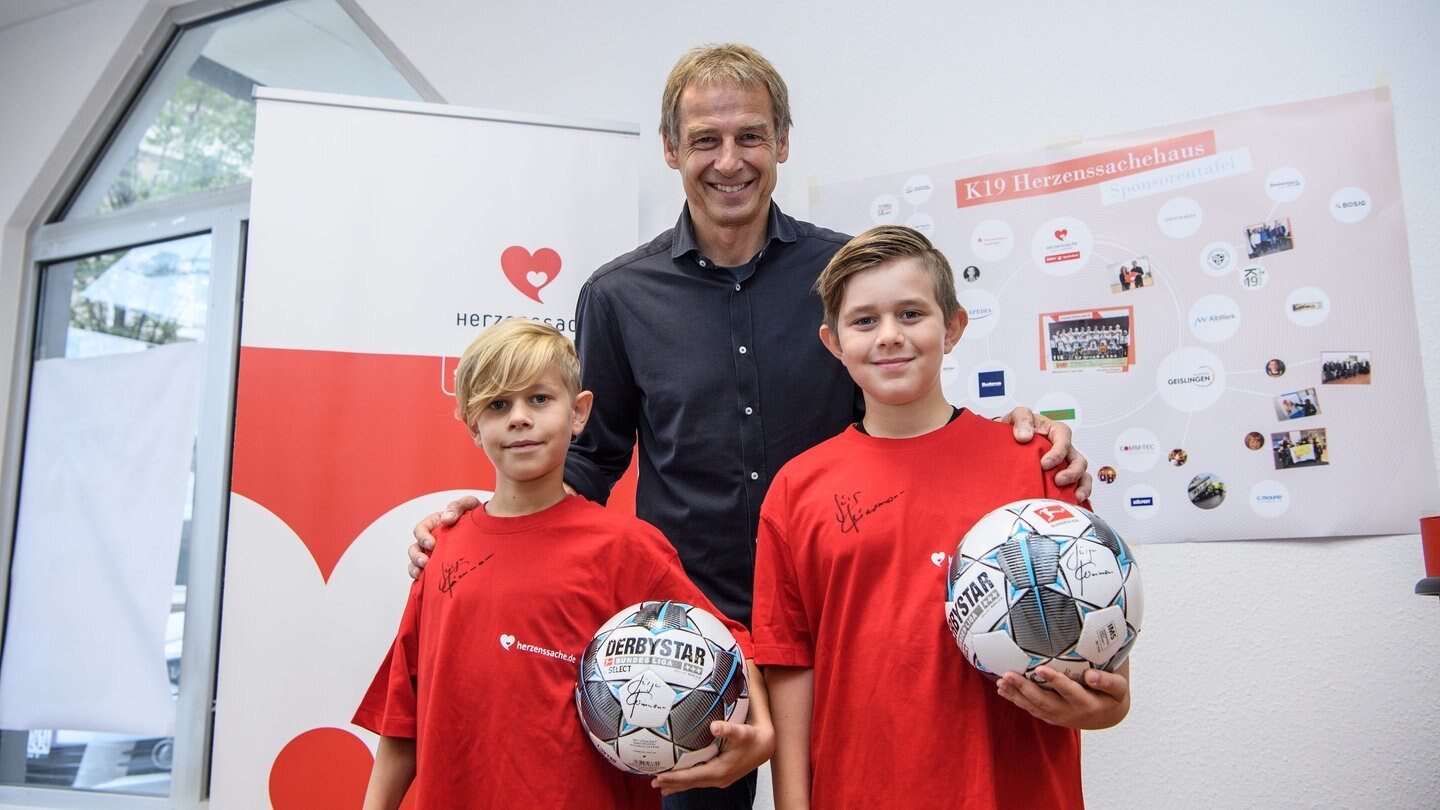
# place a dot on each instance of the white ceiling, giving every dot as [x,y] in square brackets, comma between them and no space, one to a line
[15,12]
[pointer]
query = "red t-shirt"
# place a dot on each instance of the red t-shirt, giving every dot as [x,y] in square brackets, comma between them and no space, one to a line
[855,539]
[482,671]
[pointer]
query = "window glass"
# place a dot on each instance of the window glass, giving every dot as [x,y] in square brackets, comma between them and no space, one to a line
[193,128]
[99,306]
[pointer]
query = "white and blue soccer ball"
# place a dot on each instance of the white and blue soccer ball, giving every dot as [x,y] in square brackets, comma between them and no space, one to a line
[653,679]
[1043,582]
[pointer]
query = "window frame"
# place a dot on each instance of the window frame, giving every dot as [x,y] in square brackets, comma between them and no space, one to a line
[49,239]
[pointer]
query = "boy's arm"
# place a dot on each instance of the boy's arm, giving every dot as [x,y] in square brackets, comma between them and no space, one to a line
[792,698]
[393,772]
[1102,702]
[747,745]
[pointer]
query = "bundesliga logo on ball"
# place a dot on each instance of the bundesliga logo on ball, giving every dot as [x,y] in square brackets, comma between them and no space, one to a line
[1043,582]
[653,679]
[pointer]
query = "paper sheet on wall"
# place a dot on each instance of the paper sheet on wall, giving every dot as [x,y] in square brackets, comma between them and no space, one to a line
[1221,310]
[102,507]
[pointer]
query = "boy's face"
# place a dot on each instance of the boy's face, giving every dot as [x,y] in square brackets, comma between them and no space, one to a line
[891,334]
[527,433]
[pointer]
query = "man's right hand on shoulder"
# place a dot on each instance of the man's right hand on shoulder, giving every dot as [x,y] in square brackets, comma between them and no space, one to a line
[425,542]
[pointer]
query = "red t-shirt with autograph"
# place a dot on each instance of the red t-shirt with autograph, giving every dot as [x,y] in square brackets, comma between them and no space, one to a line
[482,671]
[855,539]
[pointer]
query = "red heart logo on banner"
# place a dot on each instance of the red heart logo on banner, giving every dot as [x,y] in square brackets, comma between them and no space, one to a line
[530,273]
[1060,234]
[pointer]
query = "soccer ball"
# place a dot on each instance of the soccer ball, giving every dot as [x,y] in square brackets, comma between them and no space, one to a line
[1043,582]
[652,680]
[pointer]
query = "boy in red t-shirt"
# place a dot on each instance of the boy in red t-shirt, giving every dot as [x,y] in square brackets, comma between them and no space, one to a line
[474,702]
[873,704]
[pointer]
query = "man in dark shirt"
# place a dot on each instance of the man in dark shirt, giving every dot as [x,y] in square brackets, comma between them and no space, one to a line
[704,344]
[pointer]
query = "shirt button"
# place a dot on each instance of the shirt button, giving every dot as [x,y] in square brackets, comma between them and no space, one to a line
[754,476]
[749,410]
[703,264]
[737,287]
[742,349]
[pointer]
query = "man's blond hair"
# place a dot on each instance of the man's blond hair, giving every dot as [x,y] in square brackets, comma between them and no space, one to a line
[509,357]
[875,247]
[726,63]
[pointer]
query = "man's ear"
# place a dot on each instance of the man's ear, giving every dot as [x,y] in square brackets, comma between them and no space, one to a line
[672,153]
[831,341]
[782,147]
[580,411]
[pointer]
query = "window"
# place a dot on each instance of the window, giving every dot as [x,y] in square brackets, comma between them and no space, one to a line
[137,276]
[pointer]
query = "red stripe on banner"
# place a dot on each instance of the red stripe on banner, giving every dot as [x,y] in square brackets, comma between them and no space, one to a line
[331,441]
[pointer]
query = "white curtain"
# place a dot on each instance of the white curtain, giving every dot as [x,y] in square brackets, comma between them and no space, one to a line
[103,498]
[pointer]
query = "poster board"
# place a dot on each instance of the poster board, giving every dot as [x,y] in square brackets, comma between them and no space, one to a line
[1259,378]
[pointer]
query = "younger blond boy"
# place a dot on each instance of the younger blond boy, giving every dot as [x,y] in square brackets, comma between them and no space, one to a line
[873,704]
[474,702]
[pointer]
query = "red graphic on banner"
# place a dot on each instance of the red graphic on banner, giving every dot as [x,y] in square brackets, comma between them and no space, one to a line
[1062,233]
[323,767]
[530,273]
[330,441]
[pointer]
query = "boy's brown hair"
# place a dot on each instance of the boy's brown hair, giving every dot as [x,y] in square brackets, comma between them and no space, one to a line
[875,247]
[508,357]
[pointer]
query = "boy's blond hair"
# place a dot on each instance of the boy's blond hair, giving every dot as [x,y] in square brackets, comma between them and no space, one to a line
[508,357]
[876,247]
[726,63]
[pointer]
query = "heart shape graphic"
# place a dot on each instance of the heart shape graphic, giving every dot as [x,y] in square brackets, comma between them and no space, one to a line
[1062,233]
[529,273]
[507,641]
[938,558]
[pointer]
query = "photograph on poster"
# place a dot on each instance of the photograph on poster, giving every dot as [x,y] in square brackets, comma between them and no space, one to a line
[1345,368]
[1131,275]
[1297,404]
[1207,491]
[1087,340]
[1178,457]
[971,273]
[1275,367]
[1271,236]
[1300,448]
[1254,440]
[1106,474]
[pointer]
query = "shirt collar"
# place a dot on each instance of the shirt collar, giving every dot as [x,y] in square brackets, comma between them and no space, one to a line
[777,227]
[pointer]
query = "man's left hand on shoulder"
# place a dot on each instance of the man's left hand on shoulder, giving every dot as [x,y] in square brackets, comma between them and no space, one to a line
[1027,424]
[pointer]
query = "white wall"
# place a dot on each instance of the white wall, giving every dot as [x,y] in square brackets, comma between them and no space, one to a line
[1290,674]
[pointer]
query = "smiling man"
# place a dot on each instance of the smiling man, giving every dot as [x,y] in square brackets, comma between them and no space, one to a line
[702,343]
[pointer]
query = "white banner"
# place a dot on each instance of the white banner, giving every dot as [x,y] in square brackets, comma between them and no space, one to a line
[1220,309]
[385,236]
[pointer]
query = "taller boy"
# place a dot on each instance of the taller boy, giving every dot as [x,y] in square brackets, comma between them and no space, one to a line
[703,340]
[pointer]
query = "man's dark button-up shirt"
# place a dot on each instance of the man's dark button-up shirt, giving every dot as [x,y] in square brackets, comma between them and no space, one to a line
[723,377]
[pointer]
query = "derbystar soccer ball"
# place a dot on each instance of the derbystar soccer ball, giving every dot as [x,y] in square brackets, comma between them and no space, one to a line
[652,680]
[1043,582]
